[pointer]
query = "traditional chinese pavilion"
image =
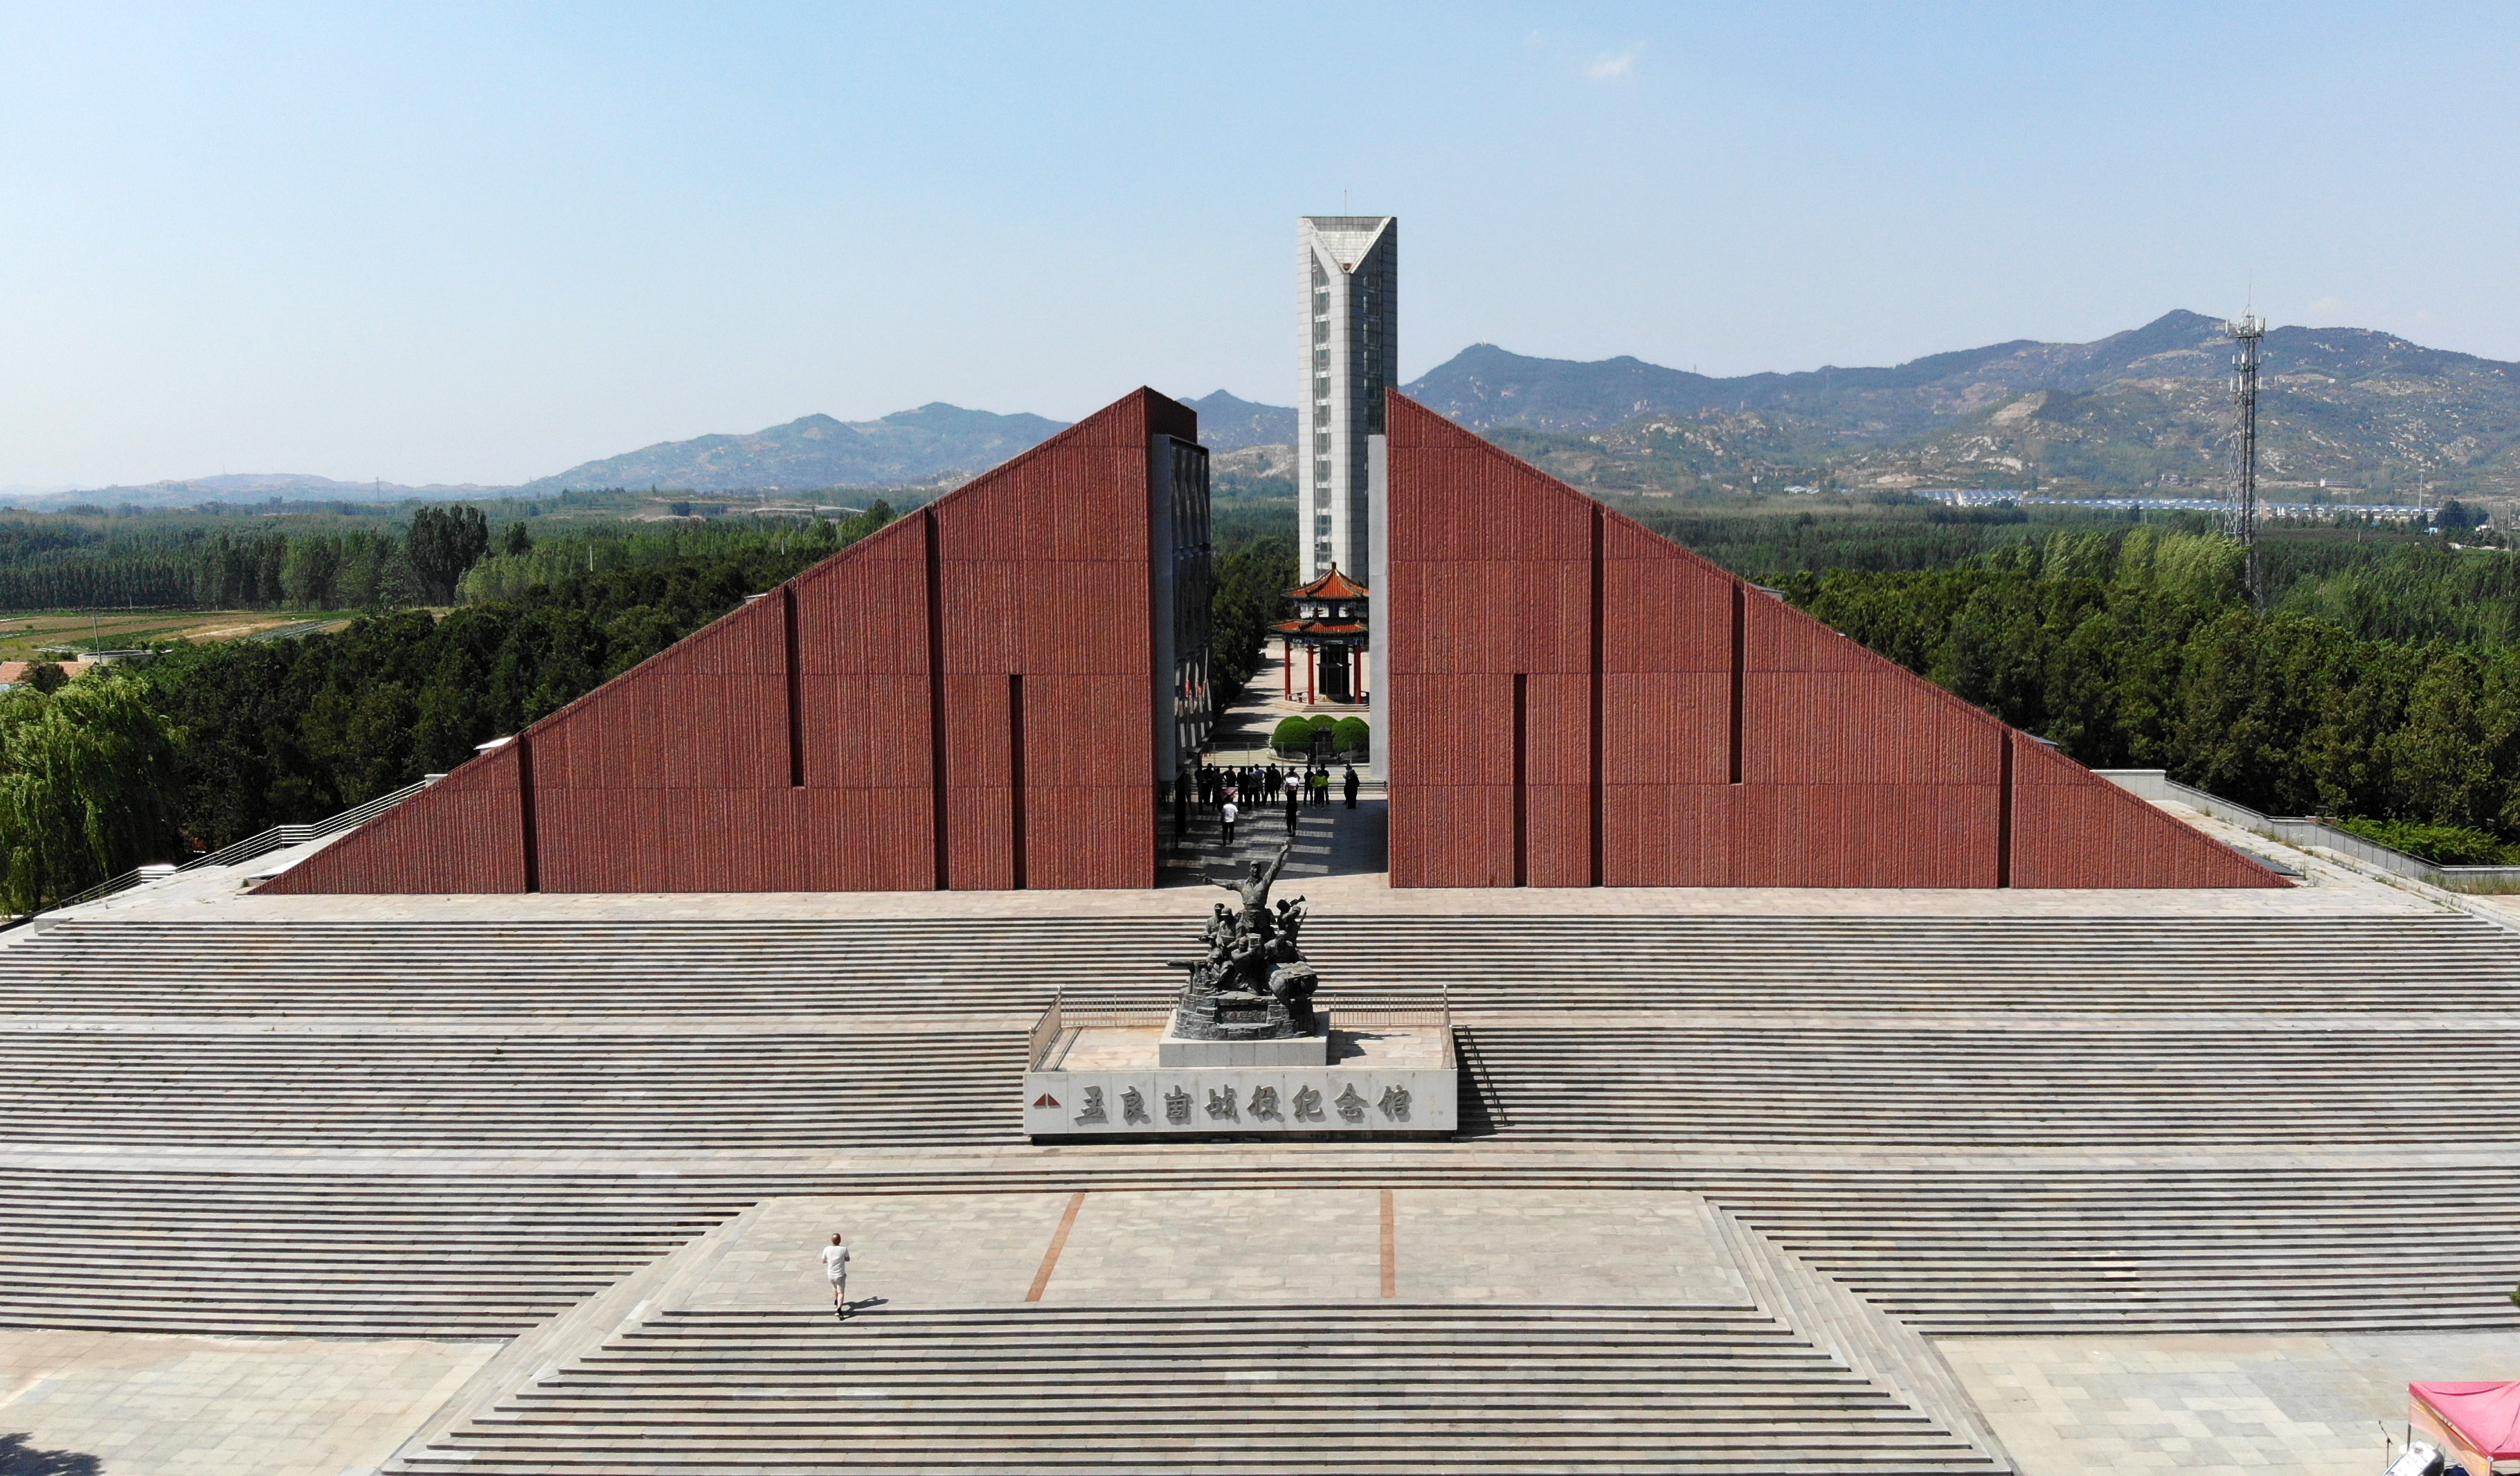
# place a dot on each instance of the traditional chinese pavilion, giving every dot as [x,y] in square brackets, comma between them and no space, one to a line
[1330,624]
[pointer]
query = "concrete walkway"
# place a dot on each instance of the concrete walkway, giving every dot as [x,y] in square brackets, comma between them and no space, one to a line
[1241,735]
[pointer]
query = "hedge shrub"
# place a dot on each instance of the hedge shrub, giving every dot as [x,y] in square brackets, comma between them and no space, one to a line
[1294,735]
[1352,735]
[2442,845]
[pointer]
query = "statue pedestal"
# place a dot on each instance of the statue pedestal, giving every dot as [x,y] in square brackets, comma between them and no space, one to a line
[1285,1050]
[1236,1029]
[1107,1075]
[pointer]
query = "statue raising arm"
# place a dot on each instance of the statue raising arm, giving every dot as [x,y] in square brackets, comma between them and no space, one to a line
[1254,889]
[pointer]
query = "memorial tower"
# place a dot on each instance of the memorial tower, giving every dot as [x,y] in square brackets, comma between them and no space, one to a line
[1348,284]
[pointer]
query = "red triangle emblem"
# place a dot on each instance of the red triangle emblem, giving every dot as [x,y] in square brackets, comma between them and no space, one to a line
[1044,1100]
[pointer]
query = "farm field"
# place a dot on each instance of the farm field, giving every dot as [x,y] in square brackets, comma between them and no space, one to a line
[27,634]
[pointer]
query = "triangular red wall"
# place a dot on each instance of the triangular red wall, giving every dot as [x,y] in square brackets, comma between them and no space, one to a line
[795,745]
[1574,700]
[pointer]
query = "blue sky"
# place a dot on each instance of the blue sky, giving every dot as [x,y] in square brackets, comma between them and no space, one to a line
[482,244]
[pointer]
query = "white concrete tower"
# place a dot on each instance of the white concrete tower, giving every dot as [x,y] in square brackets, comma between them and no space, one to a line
[1349,267]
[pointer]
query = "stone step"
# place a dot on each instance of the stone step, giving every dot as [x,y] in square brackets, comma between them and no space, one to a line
[2034,1249]
[2413,963]
[1285,1389]
[2120,1089]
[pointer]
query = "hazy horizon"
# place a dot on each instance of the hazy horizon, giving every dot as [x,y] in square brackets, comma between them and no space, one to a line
[450,246]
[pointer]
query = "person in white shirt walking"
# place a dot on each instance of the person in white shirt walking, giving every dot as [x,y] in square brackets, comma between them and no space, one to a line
[835,1264]
[1229,813]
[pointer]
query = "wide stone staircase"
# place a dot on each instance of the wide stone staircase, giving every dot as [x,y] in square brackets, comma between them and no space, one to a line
[1765,1082]
[900,967]
[903,1086]
[1231,1390]
[2066,1249]
[452,1129]
[184,1249]
[1870,1079]
[2030,1248]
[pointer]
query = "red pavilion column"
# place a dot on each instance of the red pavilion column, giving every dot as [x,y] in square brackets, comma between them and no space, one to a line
[1287,664]
[1311,659]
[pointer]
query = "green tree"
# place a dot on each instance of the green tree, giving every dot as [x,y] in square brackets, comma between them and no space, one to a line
[1251,584]
[86,779]
[365,577]
[445,542]
[518,540]
[308,574]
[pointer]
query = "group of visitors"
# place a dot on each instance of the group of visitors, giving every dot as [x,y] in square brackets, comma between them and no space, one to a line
[1231,794]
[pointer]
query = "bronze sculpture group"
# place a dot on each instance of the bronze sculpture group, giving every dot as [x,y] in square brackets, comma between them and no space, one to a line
[1254,984]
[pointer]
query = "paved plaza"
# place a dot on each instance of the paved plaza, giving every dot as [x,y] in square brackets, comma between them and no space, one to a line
[104,1404]
[2212,1404]
[1602,1247]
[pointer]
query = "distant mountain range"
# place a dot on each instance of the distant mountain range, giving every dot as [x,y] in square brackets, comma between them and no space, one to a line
[2148,407]
[1226,424]
[908,448]
[933,445]
[241,486]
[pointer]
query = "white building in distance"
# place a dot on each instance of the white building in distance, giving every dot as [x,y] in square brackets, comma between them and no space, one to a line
[1349,269]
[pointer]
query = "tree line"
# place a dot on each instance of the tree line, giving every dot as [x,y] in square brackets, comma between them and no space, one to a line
[210,743]
[2139,651]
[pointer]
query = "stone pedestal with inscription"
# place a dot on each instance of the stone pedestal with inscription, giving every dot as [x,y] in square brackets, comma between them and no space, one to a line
[1177,1049]
[1107,1075]
[1242,1051]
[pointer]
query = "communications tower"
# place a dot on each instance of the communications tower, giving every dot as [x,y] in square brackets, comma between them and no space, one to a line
[2248,331]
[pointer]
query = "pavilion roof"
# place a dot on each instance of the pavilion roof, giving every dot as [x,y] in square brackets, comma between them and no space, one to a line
[1331,586]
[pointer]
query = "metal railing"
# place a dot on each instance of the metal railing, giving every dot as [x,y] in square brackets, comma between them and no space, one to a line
[1045,1032]
[112,884]
[1061,1017]
[2309,831]
[262,843]
[281,837]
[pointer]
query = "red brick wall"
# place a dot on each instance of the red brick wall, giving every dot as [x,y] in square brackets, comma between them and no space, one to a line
[684,774]
[2068,830]
[1777,754]
[468,837]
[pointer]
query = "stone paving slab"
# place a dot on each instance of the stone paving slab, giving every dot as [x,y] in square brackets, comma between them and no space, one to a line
[121,1404]
[2212,1404]
[1585,1247]
[1222,1246]
[1591,1246]
[913,1250]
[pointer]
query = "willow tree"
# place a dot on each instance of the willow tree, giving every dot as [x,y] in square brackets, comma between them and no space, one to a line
[86,779]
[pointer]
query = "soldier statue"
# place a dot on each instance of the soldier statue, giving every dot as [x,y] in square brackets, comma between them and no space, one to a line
[1254,889]
[1254,962]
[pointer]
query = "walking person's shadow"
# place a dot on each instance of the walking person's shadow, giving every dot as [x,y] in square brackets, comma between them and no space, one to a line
[848,1310]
